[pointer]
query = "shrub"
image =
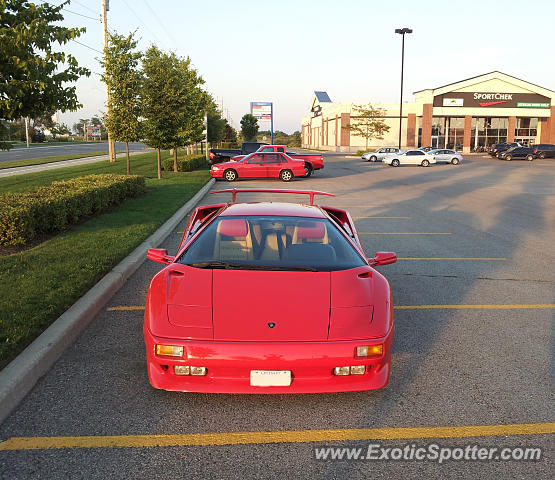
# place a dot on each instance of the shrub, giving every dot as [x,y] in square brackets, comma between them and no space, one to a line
[51,208]
[185,163]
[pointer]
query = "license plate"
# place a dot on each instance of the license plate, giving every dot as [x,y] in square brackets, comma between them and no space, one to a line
[270,378]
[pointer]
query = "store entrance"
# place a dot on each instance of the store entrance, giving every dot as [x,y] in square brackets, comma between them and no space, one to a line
[435,141]
[526,141]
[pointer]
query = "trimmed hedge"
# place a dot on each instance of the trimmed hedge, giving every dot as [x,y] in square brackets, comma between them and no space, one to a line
[51,208]
[362,152]
[185,163]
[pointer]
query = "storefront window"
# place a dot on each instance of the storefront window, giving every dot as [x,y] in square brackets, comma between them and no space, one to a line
[526,127]
[486,131]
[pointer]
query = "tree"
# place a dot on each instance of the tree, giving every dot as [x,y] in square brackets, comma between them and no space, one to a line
[249,127]
[59,129]
[161,96]
[230,134]
[368,123]
[216,126]
[33,77]
[123,79]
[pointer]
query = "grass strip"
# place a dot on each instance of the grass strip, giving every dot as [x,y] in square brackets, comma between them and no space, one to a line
[39,284]
[41,160]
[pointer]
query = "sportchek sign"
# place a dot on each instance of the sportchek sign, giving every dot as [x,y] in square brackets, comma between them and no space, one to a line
[492,100]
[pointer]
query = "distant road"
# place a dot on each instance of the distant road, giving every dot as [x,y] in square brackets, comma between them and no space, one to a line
[54,150]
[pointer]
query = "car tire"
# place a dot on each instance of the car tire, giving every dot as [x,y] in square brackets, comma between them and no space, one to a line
[395,162]
[508,157]
[286,175]
[230,175]
[425,163]
[542,155]
[372,158]
[529,157]
[455,161]
[309,170]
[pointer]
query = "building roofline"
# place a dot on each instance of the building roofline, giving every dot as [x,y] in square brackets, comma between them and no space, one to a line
[482,75]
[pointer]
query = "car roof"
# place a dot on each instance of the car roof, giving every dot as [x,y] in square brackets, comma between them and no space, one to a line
[273,208]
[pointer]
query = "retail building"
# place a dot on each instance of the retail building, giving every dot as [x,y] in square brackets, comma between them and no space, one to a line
[468,115]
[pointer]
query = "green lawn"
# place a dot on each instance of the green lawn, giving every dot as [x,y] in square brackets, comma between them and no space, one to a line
[39,284]
[38,161]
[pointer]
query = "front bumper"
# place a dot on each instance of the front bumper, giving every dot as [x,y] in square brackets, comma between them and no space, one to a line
[229,364]
[216,173]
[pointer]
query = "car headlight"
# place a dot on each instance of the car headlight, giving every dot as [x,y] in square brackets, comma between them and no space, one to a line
[215,168]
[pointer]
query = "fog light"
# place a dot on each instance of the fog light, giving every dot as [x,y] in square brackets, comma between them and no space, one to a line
[198,370]
[181,369]
[358,370]
[169,350]
[370,351]
[342,370]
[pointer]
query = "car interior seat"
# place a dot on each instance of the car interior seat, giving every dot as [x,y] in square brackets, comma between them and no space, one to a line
[233,240]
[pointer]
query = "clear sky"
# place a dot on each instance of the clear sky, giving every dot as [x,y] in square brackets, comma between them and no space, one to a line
[282,51]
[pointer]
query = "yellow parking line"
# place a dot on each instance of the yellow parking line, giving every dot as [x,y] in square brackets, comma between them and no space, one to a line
[410,307]
[474,307]
[405,233]
[452,258]
[375,216]
[291,436]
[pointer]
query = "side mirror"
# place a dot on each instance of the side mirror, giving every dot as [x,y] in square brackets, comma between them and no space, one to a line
[383,258]
[159,255]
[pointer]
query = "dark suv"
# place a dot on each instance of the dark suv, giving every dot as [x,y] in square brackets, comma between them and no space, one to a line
[517,152]
[544,150]
[501,147]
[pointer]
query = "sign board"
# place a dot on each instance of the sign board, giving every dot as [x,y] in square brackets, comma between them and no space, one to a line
[492,100]
[261,110]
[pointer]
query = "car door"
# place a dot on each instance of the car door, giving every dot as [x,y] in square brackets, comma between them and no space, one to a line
[272,161]
[380,154]
[412,157]
[442,156]
[252,167]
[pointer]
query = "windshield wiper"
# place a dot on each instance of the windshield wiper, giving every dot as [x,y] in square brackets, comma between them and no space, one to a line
[245,266]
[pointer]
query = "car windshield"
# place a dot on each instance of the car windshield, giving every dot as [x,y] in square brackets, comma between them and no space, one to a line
[272,243]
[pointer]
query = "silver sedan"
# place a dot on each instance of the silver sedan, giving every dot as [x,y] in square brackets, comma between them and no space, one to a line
[446,156]
[379,154]
[410,157]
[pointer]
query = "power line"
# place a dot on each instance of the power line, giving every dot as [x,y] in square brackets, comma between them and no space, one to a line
[81,15]
[87,46]
[144,24]
[164,29]
[84,6]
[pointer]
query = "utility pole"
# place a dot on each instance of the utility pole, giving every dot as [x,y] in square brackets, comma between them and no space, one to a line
[106,8]
[206,135]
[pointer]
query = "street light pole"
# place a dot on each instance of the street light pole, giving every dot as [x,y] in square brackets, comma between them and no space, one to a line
[402,31]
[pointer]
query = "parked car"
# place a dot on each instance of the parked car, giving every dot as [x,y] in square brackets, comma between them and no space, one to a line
[269,298]
[379,154]
[517,152]
[313,161]
[501,147]
[218,155]
[260,165]
[426,149]
[446,156]
[410,157]
[544,150]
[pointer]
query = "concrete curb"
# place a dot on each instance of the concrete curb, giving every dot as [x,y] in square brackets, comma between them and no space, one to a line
[20,375]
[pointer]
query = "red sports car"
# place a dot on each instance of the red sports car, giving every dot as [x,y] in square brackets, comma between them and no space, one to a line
[260,165]
[269,298]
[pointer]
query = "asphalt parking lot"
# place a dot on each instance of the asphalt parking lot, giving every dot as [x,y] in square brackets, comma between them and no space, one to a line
[475,303]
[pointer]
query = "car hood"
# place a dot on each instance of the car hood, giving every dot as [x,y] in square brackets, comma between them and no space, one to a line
[265,306]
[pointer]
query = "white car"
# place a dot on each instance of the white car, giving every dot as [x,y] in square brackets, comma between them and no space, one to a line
[446,156]
[410,157]
[380,154]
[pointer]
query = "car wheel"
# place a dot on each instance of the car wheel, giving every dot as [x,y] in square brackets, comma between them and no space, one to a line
[508,157]
[395,162]
[309,170]
[372,158]
[425,163]
[529,157]
[286,175]
[542,155]
[230,175]
[455,161]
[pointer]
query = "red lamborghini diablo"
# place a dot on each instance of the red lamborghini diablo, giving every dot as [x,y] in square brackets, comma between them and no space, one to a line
[269,298]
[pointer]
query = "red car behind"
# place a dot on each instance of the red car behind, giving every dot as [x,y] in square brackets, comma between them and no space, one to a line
[269,298]
[260,165]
